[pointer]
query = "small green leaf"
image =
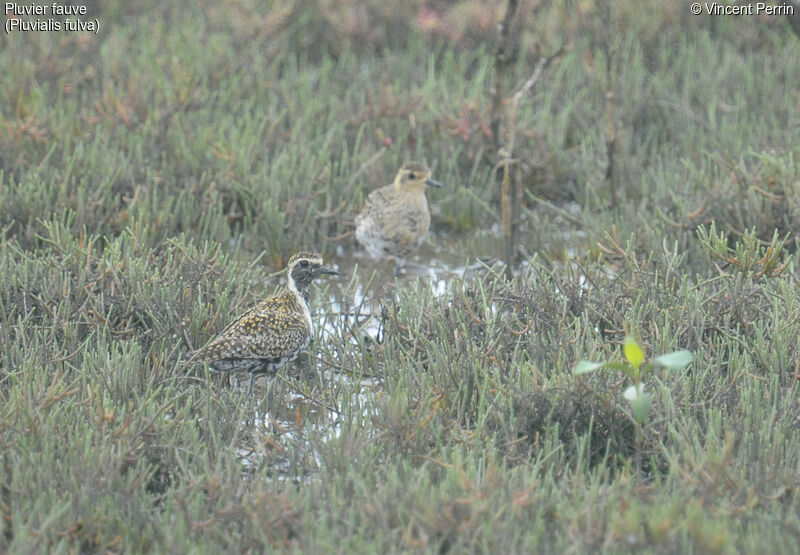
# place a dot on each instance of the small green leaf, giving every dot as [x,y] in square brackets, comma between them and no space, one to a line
[586,366]
[641,407]
[633,352]
[674,360]
[640,401]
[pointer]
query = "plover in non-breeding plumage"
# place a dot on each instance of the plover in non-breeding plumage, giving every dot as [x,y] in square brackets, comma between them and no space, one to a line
[395,219]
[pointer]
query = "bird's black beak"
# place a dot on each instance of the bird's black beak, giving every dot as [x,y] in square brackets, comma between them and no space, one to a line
[329,271]
[433,183]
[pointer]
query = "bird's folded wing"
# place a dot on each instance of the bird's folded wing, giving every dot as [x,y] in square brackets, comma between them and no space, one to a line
[257,334]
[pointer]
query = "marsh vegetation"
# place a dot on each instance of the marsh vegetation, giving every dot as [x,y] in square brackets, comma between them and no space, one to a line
[155,178]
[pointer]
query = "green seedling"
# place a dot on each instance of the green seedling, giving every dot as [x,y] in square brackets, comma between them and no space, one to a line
[633,368]
[635,393]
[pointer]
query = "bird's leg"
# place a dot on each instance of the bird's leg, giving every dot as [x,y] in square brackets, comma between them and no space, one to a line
[271,398]
[265,367]
[252,380]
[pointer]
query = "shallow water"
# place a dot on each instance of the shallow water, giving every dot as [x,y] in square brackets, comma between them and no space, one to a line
[305,411]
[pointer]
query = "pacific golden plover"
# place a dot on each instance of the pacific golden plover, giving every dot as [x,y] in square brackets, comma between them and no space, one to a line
[395,218]
[273,332]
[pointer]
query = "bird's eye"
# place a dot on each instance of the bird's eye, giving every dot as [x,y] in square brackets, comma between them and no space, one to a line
[412,175]
[304,263]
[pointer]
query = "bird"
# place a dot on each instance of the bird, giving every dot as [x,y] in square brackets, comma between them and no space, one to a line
[395,219]
[271,333]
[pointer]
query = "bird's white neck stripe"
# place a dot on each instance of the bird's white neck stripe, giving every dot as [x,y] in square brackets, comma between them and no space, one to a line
[291,284]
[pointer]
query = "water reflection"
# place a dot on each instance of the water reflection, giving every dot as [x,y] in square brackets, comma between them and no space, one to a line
[332,379]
